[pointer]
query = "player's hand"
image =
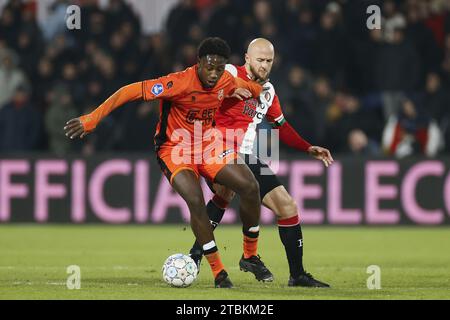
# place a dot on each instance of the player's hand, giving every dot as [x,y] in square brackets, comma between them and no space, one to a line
[74,128]
[241,94]
[321,154]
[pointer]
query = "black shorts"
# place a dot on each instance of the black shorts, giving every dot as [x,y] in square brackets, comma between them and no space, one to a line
[264,175]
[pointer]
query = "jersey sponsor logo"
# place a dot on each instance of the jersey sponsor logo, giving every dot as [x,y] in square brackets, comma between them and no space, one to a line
[157,89]
[206,116]
[252,103]
[267,96]
[249,111]
[191,116]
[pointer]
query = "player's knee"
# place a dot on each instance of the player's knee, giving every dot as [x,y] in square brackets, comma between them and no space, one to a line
[227,197]
[287,208]
[291,207]
[225,193]
[250,188]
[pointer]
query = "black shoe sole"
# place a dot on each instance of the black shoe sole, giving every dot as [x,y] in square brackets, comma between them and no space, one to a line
[302,286]
[228,285]
[223,281]
[308,286]
[219,287]
[249,269]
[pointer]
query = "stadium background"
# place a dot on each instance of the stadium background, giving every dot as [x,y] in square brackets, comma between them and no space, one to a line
[340,84]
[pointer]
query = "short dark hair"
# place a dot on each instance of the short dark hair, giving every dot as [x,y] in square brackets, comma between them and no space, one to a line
[214,45]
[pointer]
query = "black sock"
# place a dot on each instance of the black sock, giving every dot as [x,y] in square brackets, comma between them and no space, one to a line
[292,239]
[215,215]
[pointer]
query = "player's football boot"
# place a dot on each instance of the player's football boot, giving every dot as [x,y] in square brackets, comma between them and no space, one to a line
[257,267]
[222,280]
[197,257]
[306,280]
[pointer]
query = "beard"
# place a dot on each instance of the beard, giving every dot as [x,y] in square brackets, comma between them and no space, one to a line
[257,76]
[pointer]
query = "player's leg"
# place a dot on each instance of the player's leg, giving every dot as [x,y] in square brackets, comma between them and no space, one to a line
[289,228]
[187,185]
[281,203]
[185,180]
[215,209]
[240,179]
[275,197]
[219,202]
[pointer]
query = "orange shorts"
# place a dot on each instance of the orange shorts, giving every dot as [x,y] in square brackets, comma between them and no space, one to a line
[205,162]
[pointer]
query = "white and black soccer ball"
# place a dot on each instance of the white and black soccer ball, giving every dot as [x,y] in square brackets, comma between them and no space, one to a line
[179,270]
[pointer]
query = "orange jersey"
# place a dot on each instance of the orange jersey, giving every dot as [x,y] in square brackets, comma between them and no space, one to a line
[185,103]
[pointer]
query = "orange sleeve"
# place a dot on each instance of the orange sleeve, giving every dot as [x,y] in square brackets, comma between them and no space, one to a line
[164,87]
[254,87]
[125,94]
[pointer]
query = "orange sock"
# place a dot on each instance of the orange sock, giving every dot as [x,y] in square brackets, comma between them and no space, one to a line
[215,262]
[250,247]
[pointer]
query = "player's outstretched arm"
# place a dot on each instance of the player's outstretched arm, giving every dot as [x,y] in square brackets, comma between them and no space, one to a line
[80,127]
[291,138]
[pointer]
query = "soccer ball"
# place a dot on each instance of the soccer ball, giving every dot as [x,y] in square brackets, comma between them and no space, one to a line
[179,270]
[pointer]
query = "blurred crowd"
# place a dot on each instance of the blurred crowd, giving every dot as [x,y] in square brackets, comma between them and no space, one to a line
[354,90]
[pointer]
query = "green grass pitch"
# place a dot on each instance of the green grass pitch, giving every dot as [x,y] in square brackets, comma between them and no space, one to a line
[124,262]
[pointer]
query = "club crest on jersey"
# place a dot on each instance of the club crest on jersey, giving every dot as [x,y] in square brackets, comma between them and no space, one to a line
[220,94]
[157,89]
